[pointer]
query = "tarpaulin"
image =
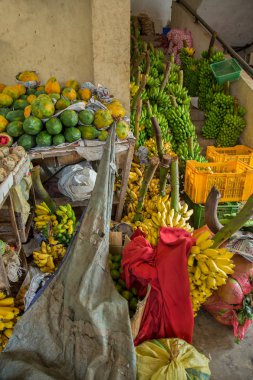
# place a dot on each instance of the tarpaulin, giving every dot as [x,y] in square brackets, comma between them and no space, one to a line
[79,327]
[168,312]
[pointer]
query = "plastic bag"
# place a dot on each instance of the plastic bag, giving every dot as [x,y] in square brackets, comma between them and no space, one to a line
[170,359]
[77,181]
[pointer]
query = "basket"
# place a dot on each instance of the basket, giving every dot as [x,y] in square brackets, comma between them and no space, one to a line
[227,70]
[241,152]
[198,217]
[233,179]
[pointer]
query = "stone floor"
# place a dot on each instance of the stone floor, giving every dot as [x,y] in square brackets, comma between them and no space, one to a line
[228,360]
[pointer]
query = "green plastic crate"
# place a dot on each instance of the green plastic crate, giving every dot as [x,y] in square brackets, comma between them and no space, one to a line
[198,217]
[227,70]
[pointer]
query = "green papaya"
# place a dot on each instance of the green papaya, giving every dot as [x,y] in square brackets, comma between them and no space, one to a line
[17,115]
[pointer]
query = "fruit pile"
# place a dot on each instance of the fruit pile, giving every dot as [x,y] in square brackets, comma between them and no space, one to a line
[157,211]
[131,294]
[58,227]
[9,158]
[232,127]
[208,268]
[42,116]
[49,256]
[8,317]
[152,148]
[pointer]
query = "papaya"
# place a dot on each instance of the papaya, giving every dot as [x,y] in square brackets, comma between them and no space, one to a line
[85,93]
[52,86]
[3,123]
[61,104]
[5,100]
[40,88]
[55,96]
[116,109]
[69,118]
[32,125]
[27,111]
[54,126]
[31,98]
[17,115]
[43,107]
[73,84]
[69,93]
[12,91]
[103,135]
[88,132]
[86,117]
[2,87]
[28,76]
[20,104]
[122,130]
[40,92]
[102,118]
[58,139]
[15,129]
[4,111]
[30,91]
[72,134]
[27,141]
[44,139]
[5,139]
[21,89]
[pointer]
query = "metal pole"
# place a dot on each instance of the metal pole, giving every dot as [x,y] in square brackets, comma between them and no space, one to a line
[228,48]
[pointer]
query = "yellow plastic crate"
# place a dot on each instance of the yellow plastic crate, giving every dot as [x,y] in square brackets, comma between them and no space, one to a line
[241,152]
[233,179]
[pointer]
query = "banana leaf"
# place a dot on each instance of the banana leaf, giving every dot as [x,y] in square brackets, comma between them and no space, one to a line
[79,327]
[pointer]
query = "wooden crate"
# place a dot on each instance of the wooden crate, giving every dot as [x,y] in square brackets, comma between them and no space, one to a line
[90,151]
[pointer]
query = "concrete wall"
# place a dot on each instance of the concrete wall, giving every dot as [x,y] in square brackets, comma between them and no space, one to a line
[242,89]
[158,10]
[86,40]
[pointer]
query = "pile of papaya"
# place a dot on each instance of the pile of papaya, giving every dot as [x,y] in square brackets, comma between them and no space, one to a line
[40,115]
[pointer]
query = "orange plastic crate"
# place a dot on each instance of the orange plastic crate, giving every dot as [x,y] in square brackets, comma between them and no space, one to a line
[233,179]
[241,152]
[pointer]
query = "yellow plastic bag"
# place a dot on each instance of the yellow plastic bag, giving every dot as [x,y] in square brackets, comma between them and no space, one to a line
[170,359]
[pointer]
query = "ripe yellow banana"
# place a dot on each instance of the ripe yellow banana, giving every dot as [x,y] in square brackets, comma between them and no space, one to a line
[203,237]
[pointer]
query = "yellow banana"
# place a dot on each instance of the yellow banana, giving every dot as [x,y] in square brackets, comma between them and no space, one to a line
[7,302]
[205,244]
[203,267]
[195,249]
[197,273]
[211,282]
[190,260]
[203,237]
[2,295]
[211,264]
[8,333]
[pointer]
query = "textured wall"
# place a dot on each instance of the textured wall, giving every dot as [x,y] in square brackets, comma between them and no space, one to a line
[51,37]
[111,46]
[70,39]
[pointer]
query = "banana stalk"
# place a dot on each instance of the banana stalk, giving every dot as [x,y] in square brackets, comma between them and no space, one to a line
[174,178]
[41,191]
[164,170]
[137,120]
[148,175]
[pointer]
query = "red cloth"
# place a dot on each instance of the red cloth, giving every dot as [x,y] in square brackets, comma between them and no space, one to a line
[168,312]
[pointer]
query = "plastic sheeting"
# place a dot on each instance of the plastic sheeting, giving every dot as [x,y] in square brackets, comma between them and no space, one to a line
[79,326]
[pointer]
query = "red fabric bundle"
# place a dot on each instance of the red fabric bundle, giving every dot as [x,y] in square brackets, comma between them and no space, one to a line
[168,312]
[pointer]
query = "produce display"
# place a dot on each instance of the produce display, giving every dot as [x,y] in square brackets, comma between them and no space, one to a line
[9,158]
[208,269]
[49,115]
[8,318]
[129,294]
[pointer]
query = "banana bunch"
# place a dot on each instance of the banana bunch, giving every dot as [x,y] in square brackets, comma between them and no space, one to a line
[8,317]
[61,224]
[49,256]
[208,268]
[64,230]
[179,92]
[159,97]
[133,89]
[151,145]
[157,213]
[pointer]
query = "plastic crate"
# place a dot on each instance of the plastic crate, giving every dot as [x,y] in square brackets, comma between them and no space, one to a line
[233,179]
[240,152]
[198,217]
[227,70]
